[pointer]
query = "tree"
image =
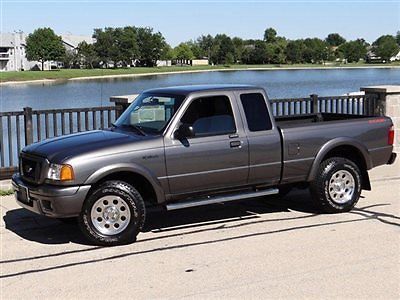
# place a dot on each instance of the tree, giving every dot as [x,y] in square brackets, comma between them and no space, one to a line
[335,39]
[238,48]
[258,55]
[353,51]
[270,35]
[87,54]
[295,51]
[126,42]
[183,52]
[70,59]
[105,45]
[151,46]
[316,50]
[398,37]
[385,47]
[222,45]
[206,43]
[44,45]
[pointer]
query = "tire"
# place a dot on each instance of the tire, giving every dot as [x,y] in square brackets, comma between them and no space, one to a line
[337,185]
[113,214]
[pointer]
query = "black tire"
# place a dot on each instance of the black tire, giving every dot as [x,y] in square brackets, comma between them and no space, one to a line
[131,198]
[323,186]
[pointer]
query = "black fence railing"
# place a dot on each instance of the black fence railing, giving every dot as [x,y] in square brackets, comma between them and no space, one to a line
[21,128]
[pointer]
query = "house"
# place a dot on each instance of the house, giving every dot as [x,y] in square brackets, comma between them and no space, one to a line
[12,52]
[395,57]
[71,41]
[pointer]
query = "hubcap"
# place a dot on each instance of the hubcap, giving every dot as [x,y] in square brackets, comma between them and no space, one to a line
[110,215]
[341,186]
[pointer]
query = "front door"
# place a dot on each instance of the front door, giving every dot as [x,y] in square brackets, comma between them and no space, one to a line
[217,156]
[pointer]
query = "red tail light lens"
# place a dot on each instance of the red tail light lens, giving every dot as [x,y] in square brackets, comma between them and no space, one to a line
[391,136]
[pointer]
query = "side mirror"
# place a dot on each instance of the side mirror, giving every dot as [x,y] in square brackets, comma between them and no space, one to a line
[184,131]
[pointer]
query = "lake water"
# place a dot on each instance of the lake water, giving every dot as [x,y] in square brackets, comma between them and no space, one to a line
[278,83]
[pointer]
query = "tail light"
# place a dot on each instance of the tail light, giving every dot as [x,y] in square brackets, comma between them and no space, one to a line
[391,136]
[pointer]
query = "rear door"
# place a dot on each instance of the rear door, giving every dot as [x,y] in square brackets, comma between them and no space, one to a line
[263,138]
[217,157]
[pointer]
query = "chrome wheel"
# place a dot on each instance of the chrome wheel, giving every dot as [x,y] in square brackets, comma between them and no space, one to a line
[341,186]
[110,215]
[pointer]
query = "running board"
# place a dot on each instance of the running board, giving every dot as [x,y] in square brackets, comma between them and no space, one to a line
[220,199]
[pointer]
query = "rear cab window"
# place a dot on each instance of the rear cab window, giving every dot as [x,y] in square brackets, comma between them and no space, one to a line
[256,112]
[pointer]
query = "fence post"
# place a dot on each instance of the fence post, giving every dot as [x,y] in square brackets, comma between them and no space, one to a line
[28,125]
[314,102]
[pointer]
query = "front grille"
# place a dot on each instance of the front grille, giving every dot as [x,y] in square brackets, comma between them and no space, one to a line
[30,169]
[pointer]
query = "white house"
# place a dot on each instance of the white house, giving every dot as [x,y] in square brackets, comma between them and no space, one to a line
[12,52]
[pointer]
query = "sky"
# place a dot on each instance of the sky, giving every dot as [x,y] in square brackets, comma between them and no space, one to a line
[182,20]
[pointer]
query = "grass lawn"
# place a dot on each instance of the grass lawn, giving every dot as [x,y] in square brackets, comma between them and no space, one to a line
[6,192]
[76,73]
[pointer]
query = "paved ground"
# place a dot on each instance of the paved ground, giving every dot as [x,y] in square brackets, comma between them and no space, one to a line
[259,248]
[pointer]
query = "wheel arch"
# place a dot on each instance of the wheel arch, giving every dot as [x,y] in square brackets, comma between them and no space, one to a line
[346,148]
[142,179]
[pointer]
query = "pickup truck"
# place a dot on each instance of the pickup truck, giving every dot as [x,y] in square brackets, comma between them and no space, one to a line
[188,146]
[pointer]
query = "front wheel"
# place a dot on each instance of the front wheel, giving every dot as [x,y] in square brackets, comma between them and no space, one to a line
[337,186]
[113,214]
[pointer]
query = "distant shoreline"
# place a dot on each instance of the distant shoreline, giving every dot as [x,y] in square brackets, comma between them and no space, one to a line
[188,71]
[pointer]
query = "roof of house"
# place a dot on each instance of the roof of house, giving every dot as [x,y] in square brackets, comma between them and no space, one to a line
[187,89]
[74,40]
[8,39]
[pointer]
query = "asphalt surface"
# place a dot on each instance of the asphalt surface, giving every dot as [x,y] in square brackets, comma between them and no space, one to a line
[258,248]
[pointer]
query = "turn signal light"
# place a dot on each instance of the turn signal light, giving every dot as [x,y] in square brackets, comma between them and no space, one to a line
[67,173]
[391,136]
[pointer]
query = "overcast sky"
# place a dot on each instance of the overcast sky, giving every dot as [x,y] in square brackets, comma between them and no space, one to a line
[182,20]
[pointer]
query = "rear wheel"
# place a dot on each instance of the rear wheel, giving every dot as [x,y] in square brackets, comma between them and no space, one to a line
[337,186]
[113,214]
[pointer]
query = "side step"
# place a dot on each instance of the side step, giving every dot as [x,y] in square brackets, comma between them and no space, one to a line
[220,199]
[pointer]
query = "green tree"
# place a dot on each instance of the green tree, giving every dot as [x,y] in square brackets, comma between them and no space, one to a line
[270,35]
[44,45]
[385,47]
[258,55]
[295,51]
[335,39]
[87,54]
[206,44]
[105,45]
[183,52]
[70,60]
[316,50]
[238,48]
[151,46]
[229,58]
[398,37]
[126,42]
[353,51]
[222,45]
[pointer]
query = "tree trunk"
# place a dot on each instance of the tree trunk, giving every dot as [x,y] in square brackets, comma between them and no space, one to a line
[42,65]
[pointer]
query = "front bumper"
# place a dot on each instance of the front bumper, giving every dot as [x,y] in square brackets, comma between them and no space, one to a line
[50,200]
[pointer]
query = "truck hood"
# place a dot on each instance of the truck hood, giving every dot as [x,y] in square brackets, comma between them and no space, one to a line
[61,148]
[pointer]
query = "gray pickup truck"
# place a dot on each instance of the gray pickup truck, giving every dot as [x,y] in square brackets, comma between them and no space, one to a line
[187,146]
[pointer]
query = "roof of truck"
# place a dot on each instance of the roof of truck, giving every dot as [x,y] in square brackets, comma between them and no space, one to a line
[187,89]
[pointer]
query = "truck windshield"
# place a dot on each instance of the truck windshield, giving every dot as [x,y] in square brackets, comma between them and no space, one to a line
[150,113]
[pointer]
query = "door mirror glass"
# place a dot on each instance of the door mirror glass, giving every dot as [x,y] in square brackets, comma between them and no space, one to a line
[184,131]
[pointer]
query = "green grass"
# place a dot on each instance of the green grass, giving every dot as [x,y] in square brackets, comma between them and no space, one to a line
[6,192]
[65,74]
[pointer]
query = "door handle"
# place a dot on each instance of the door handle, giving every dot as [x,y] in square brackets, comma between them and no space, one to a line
[236,144]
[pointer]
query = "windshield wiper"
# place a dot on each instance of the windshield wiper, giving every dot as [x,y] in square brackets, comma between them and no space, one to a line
[136,128]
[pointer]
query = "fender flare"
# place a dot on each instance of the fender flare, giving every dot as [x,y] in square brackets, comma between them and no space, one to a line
[337,142]
[129,167]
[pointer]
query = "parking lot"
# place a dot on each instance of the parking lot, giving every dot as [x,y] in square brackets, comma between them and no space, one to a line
[258,248]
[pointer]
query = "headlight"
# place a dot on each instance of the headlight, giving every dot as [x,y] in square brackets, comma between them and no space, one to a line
[60,172]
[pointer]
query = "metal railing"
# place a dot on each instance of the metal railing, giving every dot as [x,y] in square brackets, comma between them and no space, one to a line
[352,104]
[21,128]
